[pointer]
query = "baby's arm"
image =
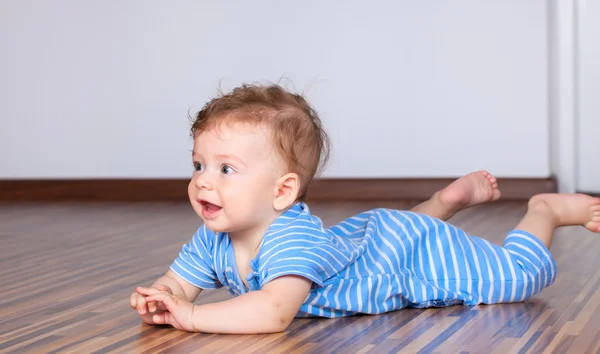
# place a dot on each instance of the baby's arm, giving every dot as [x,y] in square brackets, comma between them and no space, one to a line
[268,310]
[178,285]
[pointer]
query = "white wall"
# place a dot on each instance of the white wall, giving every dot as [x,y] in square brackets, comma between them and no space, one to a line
[562,60]
[588,127]
[406,88]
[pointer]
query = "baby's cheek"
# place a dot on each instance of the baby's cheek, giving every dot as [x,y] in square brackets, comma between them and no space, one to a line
[191,189]
[248,206]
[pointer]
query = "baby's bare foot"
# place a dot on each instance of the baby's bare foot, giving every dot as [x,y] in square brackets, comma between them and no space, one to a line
[572,209]
[475,188]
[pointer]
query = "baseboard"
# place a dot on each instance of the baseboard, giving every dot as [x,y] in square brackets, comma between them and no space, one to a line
[320,190]
[418,188]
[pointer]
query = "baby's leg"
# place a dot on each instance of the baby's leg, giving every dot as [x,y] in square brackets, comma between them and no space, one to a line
[546,212]
[475,188]
[528,245]
[523,266]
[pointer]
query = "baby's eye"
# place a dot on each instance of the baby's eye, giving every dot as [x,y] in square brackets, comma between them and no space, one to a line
[226,170]
[198,166]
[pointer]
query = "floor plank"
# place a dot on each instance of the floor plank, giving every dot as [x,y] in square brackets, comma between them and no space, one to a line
[67,270]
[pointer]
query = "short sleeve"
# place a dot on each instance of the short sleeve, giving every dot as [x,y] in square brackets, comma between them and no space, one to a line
[195,262]
[298,263]
[312,256]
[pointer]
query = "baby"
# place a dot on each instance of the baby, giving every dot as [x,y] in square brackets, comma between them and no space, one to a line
[255,152]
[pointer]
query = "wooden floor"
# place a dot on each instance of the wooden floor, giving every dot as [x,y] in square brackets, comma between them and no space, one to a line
[67,270]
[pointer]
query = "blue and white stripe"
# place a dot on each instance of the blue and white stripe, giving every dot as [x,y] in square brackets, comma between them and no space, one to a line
[377,261]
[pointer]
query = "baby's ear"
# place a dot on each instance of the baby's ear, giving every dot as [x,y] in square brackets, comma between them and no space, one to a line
[286,191]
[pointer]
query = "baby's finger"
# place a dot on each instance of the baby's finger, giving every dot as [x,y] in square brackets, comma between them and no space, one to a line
[146,291]
[165,288]
[167,300]
[162,318]
[152,306]
[133,300]
[141,305]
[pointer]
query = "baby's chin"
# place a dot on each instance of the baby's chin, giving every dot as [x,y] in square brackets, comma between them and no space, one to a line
[215,227]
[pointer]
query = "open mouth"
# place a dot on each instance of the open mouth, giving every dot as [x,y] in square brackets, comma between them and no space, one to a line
[209,209]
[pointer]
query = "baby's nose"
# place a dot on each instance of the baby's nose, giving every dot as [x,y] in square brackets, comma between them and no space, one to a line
[203,182]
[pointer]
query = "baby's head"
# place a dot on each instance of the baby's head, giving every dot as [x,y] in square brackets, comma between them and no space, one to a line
[256,149]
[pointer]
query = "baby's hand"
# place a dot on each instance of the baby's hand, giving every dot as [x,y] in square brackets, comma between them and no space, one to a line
[179,311]
[146,309]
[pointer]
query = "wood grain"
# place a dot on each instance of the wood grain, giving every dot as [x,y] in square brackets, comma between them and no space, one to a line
[67,270]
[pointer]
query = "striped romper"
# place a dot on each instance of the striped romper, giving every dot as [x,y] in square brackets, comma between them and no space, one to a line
[377,261]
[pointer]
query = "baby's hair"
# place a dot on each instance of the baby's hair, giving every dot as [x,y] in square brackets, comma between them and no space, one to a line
[297,131]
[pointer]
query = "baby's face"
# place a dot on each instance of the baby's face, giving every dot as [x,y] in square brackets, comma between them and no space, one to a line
[234,181]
